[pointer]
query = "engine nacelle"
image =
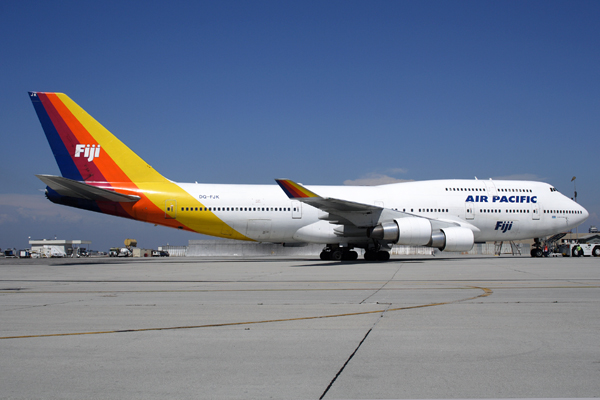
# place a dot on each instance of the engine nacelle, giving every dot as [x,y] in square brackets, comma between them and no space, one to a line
[418,232]
[407,231]
[458,239]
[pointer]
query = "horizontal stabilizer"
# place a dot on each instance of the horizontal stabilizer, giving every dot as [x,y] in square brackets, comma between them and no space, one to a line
[70,188]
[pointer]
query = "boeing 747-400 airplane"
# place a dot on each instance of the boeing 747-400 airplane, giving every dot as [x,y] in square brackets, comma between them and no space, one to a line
[100,173]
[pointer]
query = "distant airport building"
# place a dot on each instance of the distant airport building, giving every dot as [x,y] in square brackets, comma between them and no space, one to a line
[56,247]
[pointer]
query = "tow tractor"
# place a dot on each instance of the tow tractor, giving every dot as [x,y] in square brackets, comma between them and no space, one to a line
[575,249]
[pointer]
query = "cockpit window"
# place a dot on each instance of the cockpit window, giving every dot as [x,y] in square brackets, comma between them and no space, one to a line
[553,190]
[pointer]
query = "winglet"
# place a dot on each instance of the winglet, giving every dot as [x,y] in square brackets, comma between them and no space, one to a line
[295,190]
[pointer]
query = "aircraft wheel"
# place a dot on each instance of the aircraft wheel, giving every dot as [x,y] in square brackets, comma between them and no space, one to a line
[596,251]
[336,255]
[575,252]
[325,255]
[370,255]
[539,252]
[383,255]
[353,255]
[349,255]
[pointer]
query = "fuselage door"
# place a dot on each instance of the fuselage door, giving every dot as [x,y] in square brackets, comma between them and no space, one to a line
[170,209]
[469,210]
[296,209]
[535,212]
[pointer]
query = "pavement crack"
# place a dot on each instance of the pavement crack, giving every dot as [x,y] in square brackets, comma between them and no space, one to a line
[382,286]
[355,351]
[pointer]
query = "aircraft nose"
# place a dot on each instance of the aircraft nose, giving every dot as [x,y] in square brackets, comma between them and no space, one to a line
[584,213]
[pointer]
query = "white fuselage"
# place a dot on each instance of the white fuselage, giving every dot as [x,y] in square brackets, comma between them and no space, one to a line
[493,210]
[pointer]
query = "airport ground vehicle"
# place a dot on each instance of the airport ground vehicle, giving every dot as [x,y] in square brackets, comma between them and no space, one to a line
[579,249]
[24,254]
[120,252]
[10,253]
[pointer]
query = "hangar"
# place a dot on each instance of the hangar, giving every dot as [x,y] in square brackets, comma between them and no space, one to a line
[56,247]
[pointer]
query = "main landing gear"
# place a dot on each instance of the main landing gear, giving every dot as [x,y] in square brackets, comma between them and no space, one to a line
[338,254]
[381,255]
[331,253]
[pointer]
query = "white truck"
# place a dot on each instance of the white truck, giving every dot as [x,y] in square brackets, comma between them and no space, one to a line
[580,249]
[120,252]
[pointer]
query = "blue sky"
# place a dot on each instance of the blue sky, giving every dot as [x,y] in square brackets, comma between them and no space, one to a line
[325,92]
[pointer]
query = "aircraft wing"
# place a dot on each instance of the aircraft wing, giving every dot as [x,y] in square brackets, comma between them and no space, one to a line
[298,192]
[348,212]
[70,188]
[338,211]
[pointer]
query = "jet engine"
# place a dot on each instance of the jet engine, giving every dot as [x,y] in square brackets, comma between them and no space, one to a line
[418,232]
[455,238]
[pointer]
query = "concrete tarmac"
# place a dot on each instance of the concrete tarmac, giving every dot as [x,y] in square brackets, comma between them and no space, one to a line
[227,328]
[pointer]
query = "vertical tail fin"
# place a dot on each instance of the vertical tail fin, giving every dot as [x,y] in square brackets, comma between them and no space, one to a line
[83,148]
